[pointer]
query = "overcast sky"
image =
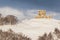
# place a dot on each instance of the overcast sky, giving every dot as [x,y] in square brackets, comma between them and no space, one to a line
[49,5]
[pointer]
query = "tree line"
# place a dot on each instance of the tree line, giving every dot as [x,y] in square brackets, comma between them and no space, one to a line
[9,19]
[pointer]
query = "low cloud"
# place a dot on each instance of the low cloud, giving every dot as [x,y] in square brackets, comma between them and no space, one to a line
[52,13]
[10,11]
[25,15]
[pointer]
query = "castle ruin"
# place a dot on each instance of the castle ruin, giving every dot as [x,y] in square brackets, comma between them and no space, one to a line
[42,14]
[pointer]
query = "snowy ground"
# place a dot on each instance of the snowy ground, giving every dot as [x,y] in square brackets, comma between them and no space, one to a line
[34,27]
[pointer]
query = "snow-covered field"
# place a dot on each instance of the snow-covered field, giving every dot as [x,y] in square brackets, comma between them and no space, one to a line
[34,27]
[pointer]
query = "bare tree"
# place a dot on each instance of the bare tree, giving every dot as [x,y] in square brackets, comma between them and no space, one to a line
[1,19]
[10,19]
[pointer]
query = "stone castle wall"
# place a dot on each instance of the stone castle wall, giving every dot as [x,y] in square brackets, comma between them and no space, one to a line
[42,14]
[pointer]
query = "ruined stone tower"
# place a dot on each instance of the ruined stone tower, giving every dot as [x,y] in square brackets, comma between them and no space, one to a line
[42,14]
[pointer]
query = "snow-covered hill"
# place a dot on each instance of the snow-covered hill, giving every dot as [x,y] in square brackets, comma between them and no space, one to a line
[34,27]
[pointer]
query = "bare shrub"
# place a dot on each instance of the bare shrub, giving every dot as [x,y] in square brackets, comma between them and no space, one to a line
[44,37]
[57,32]
[12,36]
[50,36]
